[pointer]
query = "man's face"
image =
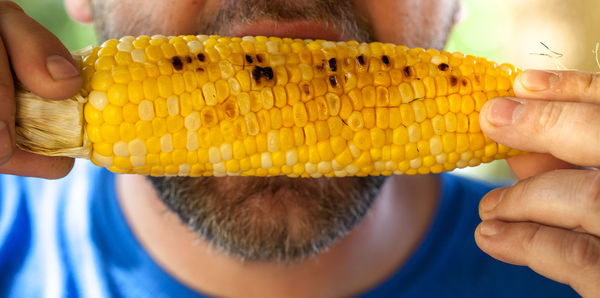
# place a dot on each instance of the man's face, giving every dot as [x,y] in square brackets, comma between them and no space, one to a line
[276,218]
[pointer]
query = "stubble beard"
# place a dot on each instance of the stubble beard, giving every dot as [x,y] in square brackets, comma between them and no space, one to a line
[254,218]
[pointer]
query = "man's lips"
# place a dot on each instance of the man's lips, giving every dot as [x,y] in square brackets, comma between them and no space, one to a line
[296,29]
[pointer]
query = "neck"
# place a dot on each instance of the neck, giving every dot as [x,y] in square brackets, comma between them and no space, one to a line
[372,251]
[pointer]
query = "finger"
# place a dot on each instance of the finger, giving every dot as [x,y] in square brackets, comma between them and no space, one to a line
[565,256]
[525,166]
[558,85]
[567,130]
[7,107]
[38,58]
[34,165]
[564,198]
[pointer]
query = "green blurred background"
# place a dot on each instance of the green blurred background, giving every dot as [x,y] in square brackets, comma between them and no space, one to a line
[501,30]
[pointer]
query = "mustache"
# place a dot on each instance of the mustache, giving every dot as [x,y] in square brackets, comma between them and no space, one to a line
[337,14]
[305,188]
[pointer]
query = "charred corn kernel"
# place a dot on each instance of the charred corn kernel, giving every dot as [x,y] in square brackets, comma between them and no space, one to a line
[210,105]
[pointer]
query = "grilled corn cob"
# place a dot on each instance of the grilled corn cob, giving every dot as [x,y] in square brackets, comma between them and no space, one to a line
[265,106]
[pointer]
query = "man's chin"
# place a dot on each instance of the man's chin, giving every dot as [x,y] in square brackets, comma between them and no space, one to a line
[265,219]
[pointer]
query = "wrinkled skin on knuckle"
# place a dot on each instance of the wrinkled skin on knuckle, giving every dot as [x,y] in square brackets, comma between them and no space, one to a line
[587,84]
[520,190]
[582,251]
[575,82]
[530,239]
[589,190]
[546,117]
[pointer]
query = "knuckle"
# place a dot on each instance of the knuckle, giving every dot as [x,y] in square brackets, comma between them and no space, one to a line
[530,238]
[521,190]
[582,251]
[590,83]
[589,190]
[548,117]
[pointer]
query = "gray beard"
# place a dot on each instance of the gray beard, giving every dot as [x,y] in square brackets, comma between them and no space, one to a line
[273,218]
[263,219]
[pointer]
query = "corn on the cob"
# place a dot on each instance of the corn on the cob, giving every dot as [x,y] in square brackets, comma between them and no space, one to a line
[265,106]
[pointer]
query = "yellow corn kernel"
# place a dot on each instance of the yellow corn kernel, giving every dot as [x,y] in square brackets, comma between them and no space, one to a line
[110,133]
[377,137]
[362,139]
[368,96]
[420,111]
[127,131]
[160,107]
[369,117]
[121,74]
[355,121]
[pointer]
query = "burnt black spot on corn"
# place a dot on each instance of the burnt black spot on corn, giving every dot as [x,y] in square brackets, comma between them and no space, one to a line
[333,81]
[333,64]
[453,80]
[257,74]
[407,71]
[267,72]
[177,64]
[385,59]
[361,60]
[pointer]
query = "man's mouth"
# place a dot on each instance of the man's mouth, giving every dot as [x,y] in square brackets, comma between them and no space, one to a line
[295,29]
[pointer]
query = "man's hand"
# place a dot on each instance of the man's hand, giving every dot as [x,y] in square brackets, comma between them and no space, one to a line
[44,66]
[550,219]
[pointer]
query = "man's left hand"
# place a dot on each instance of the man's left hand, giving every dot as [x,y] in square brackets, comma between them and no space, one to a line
[550,219]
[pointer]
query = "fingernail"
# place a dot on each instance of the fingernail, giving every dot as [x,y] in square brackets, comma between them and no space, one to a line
[488,228]
[504,111]
[490,202]
[60,68]
[538,80]
[5,142]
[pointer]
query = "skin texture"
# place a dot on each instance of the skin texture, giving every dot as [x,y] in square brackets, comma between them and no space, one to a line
[547,220]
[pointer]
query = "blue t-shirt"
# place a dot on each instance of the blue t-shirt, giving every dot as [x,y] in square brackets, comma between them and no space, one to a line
[68,238]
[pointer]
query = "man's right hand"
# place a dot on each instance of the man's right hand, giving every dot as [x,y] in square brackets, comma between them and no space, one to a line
[43,65]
